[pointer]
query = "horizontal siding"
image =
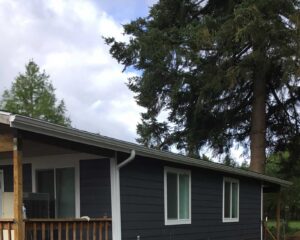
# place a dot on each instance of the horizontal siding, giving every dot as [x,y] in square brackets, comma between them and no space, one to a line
[142,205]
[8,177]
[95,195]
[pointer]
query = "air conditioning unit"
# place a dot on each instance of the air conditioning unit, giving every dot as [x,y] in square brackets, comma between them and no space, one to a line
[36,205]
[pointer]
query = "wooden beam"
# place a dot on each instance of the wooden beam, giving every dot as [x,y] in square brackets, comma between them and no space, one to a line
[6,143]
[18,187]
[278,215]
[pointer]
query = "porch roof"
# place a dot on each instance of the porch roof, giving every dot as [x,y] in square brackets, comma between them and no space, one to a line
[96,140]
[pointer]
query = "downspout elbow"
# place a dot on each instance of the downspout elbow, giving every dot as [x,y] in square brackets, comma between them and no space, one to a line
[128,160]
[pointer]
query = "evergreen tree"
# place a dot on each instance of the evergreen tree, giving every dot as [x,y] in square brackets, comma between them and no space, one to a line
[285,165]
[32,95]
[229,161]
[225,72]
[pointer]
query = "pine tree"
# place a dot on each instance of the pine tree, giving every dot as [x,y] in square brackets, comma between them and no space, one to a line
[33,95]
[225,72]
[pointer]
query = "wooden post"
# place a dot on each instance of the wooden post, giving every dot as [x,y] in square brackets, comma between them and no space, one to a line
[278,215]
[18,187]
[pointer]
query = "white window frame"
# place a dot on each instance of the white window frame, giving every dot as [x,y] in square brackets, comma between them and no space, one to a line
[60,161]
[55,184]
[177,221]
[225,219]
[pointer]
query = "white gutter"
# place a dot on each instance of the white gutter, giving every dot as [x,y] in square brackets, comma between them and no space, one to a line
[115,194]
[5,118]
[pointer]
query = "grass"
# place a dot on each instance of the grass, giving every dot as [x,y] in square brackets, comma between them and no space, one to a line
[293,226]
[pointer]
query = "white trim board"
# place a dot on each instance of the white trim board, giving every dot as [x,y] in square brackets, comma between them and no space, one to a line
[115,199]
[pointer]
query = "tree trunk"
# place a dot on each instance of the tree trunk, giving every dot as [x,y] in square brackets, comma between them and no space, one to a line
[258,123]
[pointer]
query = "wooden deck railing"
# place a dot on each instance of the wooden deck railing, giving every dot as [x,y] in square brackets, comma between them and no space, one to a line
[60,229]
[6,229]
[267,232]
[68,229]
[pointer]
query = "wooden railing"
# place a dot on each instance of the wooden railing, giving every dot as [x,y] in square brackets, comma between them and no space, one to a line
[267,232]
[6,229]
[59,229]
[68,229]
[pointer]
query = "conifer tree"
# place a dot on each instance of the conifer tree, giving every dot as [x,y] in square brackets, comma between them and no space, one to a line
[225,72]
[33,95]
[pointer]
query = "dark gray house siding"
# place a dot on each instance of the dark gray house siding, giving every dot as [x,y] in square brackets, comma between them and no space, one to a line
[95,195]
[142,205]
[8,177]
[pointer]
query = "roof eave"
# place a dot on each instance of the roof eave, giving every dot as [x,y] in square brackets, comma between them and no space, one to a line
[45,128]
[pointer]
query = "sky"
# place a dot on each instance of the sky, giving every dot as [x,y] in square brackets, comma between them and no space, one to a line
[64,37]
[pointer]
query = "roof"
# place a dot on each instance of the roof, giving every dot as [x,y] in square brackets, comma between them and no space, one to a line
[75,135]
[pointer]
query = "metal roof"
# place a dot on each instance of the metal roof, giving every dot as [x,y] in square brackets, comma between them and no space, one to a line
[75,135]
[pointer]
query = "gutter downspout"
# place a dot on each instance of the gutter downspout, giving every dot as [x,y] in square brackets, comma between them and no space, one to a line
[128,160]
[115,193]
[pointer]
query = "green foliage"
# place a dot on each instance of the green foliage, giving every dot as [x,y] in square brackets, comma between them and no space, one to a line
[245,165]
[283,165]
[228,161]
[205,158]
[292,227]
[198,63]
[32,95]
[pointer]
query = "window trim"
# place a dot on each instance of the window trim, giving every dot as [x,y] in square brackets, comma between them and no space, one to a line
[177,221]
[224,219]
[60,161]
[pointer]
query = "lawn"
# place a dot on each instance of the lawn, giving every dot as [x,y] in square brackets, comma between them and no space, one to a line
[294,226]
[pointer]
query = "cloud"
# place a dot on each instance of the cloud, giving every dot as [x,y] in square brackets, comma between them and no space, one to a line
[65,38]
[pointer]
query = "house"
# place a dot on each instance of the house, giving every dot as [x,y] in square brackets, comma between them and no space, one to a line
[79,185]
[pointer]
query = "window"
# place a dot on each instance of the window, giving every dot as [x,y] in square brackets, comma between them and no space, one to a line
[60,185]
[177,192]
[230,200]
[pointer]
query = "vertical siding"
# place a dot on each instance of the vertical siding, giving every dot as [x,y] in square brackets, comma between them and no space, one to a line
[142,205]
[95,195]
[8,178]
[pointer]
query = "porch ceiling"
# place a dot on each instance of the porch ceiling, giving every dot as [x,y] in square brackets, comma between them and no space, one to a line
[4,129]
[38,145]
[33,148]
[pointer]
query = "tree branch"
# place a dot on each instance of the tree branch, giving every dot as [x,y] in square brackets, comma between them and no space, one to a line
[280,103]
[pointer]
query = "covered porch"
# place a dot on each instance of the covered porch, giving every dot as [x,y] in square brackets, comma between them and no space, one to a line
[41,186]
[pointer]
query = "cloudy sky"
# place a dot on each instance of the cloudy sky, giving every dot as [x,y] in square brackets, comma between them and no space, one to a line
[64,37]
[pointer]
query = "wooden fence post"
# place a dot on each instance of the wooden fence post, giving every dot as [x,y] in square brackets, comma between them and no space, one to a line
[278,215]
[18,187]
